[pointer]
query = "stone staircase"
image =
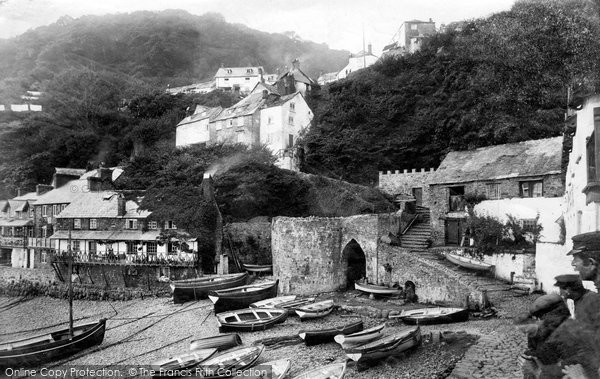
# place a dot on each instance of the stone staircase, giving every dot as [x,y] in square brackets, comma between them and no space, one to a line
[415,238]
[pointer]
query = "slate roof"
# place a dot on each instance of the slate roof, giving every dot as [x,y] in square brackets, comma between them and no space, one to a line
[282,100]
[102,204]
[249,104]
[238,72]
[202,113]
[299,76]
[16,222]
[514,160]
[64,194]
[31,196]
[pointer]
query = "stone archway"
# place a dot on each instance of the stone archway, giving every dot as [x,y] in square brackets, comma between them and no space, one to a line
[355,262]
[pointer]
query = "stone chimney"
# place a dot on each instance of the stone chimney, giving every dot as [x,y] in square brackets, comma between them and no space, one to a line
[121,205]
[208,190]
[265,94]
[102,182]
[41,189]
[260,72]
[369,49]
[296,64]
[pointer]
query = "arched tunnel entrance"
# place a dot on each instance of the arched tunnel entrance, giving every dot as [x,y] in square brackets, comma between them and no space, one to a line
[357,263]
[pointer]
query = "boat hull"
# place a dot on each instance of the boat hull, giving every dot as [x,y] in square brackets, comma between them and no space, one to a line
[196,289]
[220,342]
[26,356]
[316,337]
[468,263]
[230,361]
[374,352]
[250,320]
[359,338]
[167,367]
[458,315]
[275,302]
[316,310]
[279,369]
[262,269]
[332,371]
[227,301]
[377,290]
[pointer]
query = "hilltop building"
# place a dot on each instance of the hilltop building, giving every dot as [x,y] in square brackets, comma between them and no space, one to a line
[242,78]
[357,61]
[409,37]
[294,80]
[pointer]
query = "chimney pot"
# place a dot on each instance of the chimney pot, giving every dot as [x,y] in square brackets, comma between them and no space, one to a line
[18,192]
[296,63]
[265,94]
[121,205]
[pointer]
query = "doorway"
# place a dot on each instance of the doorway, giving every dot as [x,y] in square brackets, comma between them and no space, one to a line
[455,230]
[357,263]
[418,195]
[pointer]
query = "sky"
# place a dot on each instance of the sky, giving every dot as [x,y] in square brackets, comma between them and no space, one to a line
[338,23]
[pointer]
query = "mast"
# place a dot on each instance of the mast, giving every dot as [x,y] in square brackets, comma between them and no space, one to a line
[364,52]
[70,262]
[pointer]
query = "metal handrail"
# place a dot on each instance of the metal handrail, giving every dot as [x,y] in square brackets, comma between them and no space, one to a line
[410,224]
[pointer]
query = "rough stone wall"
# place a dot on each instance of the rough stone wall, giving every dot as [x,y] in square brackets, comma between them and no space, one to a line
[14,274]
[397,182]
[509,188]
[434,282]
[309,256]
[250,240]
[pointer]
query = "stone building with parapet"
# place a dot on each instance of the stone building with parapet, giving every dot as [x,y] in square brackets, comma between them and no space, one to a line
[407,183]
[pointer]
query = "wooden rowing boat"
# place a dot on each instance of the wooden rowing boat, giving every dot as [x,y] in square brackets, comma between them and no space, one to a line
[167,367]
[377,290]
[50,347]
[387,346]
[220,342]
[242,297]
[469,263]
[295,304]
[226,363]
[315,310]
[315,337]
[359,338]
[251,319]
[198,288]
[278,369]
[426,316]
[332,371]
[258,269]
[274,302]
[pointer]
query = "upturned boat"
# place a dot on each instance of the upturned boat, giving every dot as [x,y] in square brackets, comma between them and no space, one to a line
[258,269]
[425,316]
[274,302]
[50,347]
[332,371]
[469,263]
[385,347]
[251,319]
[279,369]
[198,288]
[377,290]
[227,363]
[359,338]
[242,297]
[219,342]
[167,367]
[315,337]
[315,310]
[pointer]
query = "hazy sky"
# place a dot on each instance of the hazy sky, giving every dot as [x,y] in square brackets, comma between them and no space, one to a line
[339,23]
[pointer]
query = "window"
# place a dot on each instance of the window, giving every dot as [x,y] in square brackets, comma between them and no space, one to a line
[31,212]
[151,247]
[172,248]
[292,107]
[131,224]
[76,223]
[44,232]
[93,223]
[170,225]
[247,78]
[230,123]
[226,79]
[131,247]
[532,188]
[75,245]
[493,191]
[413,27]
[456,199]
[269,120]
[153,225]
[62,207]
[291,120]
[229,71]
[55,209]
[92,247]
[290,140]
[592,189]
[18,214]
[529,224]
[44,210]
[249,71]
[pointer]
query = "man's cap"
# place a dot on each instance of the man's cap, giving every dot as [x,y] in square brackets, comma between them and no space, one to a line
[585,242]
[577,250]
[568,280]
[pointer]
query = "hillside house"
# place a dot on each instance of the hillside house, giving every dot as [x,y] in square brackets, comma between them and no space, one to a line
[16,224]
[107,226]
[409,37]
[519,179]
[262,117]
[194,129]
[242,78]
[294,80]
[357,62]
[202,87]
[326,78]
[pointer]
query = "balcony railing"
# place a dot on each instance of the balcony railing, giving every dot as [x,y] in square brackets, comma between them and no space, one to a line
[186,259]
[41,242]
[12,241]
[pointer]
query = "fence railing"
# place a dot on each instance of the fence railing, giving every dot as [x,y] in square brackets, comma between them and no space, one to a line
[127,259]
[40,242]
[12,241]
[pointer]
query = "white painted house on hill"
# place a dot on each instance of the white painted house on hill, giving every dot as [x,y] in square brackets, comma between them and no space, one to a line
[262,117]
[357,62]
[244,78]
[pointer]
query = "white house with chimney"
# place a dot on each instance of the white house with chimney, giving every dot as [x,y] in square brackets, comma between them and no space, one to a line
[242,78]
[194,129]
[357,62]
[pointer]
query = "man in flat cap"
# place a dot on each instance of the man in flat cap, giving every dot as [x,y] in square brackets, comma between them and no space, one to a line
[585,262]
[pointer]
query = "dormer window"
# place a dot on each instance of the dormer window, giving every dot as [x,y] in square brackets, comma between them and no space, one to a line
[249,71]
[229,71]
[170,225]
